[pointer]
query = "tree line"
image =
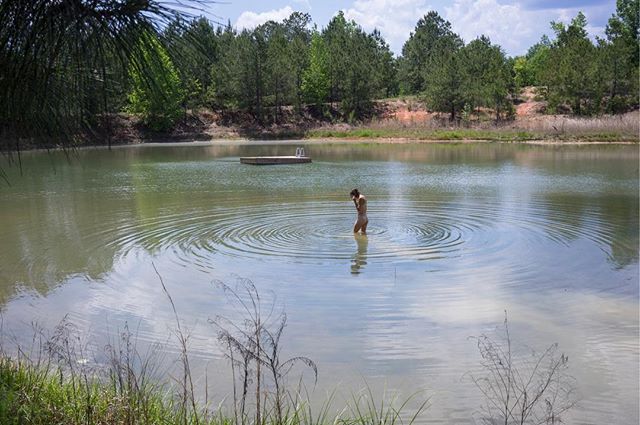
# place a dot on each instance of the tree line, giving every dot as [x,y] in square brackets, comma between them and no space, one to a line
[66,65]
[340,70]
[280,65]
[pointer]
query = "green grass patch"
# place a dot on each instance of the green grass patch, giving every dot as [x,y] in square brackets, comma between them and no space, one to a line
[41,395]
[45,395]
[502,135]
[422,134]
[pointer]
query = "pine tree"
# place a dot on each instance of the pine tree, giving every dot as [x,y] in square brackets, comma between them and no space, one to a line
[156,92]
[315,80]
[442,76]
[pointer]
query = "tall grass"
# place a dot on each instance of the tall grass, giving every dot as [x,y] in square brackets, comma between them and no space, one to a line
[534,388]
[606,127]
[58,379]
[421,133]
[624,127]
[253,342]
[57,383]
[129,389]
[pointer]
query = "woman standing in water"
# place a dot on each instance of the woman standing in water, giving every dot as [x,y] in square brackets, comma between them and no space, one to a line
[361,206]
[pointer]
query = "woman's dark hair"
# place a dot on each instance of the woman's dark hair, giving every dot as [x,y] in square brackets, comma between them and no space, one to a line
[355,192]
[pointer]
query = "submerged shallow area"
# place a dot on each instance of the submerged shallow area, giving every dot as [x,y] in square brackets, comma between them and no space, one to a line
[458,234]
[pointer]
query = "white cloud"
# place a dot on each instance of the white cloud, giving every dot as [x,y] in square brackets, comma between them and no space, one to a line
[249,20]
[597,18]
[513,26]
[395,19]
[509,25]
[304,3]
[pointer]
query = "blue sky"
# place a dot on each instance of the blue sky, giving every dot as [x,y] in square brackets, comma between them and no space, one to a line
[515,25]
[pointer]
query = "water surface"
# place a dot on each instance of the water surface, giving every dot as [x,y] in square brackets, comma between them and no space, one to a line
[458,234]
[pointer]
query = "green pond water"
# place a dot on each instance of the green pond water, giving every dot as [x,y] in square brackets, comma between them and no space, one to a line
[458,233]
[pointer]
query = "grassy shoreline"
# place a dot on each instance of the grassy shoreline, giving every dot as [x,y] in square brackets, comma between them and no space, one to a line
[203,126]
[61,386]
[47,391]
[39,394]
[386,134]
[406,124]
[61,377]
[379,136]
[474,135]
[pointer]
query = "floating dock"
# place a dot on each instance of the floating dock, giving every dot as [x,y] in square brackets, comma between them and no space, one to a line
[274,160]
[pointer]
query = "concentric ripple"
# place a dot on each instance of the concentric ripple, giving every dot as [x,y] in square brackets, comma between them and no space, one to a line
[320,232]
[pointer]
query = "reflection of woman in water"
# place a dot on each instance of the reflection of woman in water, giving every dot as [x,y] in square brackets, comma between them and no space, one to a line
[361,206]
[359,259]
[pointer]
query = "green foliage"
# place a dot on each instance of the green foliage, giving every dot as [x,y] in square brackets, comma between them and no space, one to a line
[582,78]
[419,51]
[41,396]
[156,93]
[522,72]
[486,76]
[223,92]
[64,69]
[444,72]
[53,382]
[315,79]
[537,56]
[278,67]
[451,75]
[528,69]
[261,70]
[624,27]
[63,65]
[193,48]
[251,51]
[299,44]
[620,59]
[360,66]
[570,71]
[419,133]
[385,68]
[465,114]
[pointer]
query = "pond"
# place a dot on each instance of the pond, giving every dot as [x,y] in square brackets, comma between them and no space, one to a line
[458,234]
